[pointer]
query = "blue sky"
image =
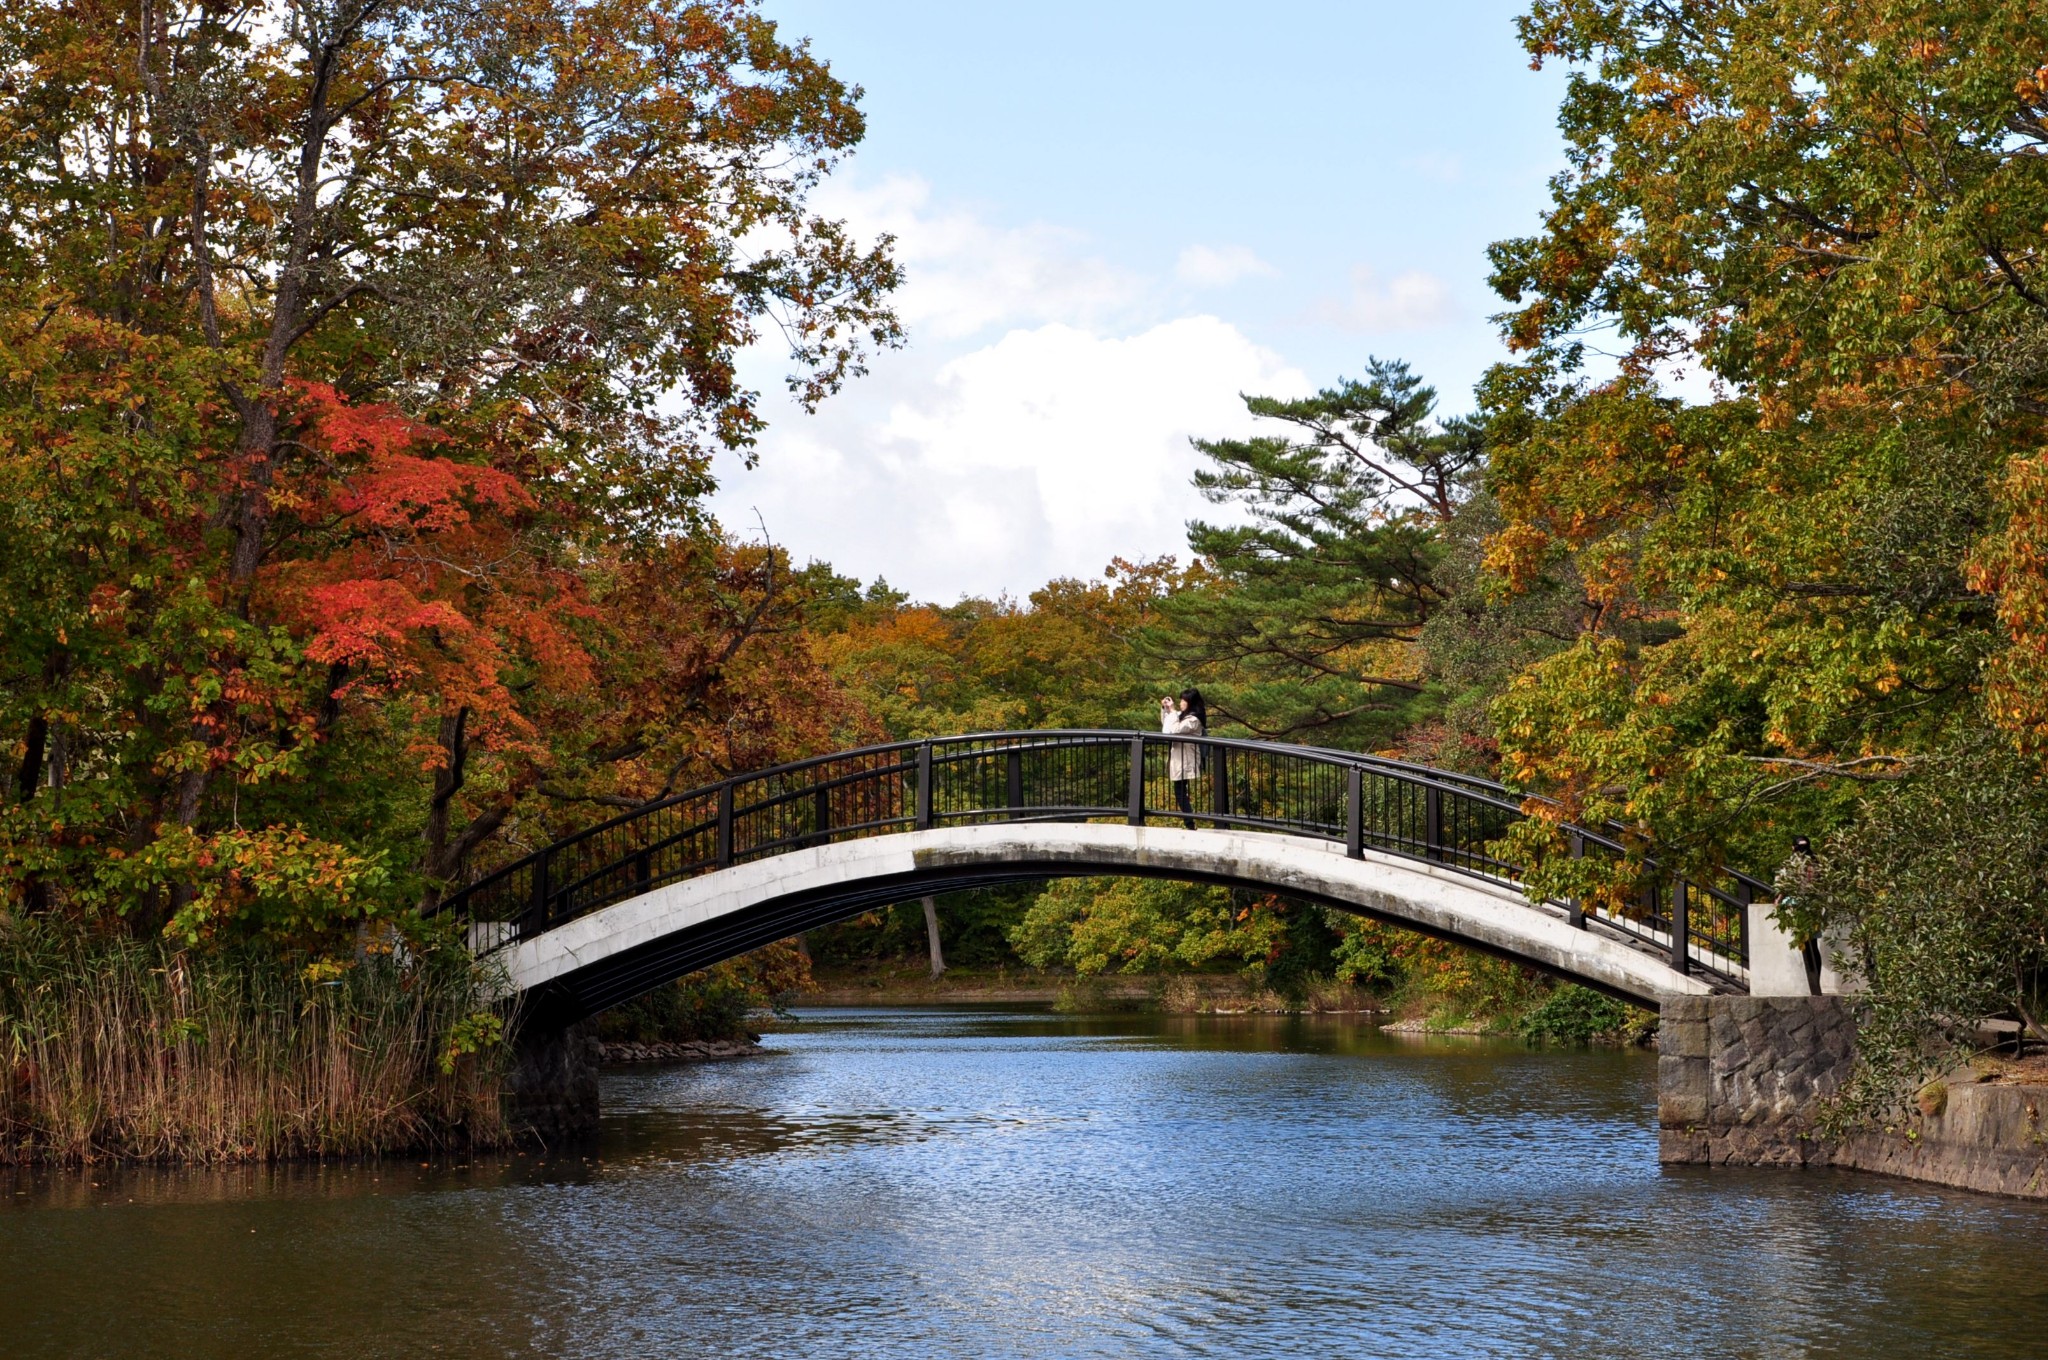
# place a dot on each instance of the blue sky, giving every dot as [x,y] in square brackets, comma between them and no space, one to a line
[1115,217]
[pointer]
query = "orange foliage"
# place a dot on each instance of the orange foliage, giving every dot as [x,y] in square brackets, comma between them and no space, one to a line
[2013,565]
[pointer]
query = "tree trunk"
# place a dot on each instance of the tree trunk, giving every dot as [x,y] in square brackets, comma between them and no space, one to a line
[931,934]
[447,783]
[31,772]
[33,769]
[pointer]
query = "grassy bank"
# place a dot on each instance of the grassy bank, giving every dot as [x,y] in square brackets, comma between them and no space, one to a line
[117,1049]
[1493,1002]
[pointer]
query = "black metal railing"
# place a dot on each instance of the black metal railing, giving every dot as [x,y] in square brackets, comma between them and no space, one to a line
[1371,803]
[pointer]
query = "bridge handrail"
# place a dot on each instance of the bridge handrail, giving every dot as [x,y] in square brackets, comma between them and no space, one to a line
[1712,940]
[1615,832]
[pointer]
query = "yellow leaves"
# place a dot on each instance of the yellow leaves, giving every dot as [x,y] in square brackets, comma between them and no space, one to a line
[1777,412]
[2013,565]
[472,1034]
[1516,554]
[1608,569]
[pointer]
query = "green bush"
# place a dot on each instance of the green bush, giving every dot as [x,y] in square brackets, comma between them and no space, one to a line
[1576,1015]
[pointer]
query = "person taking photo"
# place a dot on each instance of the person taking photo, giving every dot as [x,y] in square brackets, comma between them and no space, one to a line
[1186,716]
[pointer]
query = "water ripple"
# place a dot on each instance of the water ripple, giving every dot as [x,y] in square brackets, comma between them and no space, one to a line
[919,1183]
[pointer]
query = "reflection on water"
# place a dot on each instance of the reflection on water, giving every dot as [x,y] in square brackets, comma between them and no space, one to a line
[919,1183]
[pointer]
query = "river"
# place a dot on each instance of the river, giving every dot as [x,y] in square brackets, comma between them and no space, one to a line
[1004,1182]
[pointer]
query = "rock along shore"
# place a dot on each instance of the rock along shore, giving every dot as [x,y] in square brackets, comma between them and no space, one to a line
[695,1050]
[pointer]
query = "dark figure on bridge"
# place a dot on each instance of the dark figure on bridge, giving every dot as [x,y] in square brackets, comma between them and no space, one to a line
[1809,949]
[1186,716]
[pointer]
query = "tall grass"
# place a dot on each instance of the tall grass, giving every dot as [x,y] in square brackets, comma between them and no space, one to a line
[126,1049]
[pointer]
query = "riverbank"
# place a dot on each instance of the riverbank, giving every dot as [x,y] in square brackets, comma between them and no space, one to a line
[1170,994]
[125,1050]
[1567,1014]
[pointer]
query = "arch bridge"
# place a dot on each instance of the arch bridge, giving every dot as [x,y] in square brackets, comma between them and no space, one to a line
[612,912]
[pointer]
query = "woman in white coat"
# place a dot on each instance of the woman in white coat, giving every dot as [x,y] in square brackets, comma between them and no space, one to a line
[1186,716]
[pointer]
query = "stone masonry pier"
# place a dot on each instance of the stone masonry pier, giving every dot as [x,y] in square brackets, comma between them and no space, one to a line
[1741,1079]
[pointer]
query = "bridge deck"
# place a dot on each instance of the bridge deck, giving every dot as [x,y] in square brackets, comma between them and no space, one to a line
[1053,798]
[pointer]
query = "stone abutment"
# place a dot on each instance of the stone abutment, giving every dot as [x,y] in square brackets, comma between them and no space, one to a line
[551,1084]
[1741,1081]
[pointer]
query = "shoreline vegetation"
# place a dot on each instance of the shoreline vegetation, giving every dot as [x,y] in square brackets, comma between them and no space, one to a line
[1560,1013]
[124,1050]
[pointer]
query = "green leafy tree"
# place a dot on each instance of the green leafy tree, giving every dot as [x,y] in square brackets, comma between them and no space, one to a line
[1146,925]
[1807,588]
[1939,894]
[1309,628]
[1811,551]
[338,461]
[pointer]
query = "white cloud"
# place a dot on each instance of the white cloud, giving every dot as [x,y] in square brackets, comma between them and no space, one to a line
[1411,300]
[1037,426]
[1044,454]
[963,275]
[1219,267]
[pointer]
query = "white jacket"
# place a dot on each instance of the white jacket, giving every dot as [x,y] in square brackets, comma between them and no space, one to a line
[1184,758]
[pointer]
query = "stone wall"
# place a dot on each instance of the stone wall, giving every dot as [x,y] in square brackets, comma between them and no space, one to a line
[1982,1137]
[1738,1077]
[1740,1080]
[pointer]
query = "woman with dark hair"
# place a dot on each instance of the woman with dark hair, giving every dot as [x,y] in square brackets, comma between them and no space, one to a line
[1187,716]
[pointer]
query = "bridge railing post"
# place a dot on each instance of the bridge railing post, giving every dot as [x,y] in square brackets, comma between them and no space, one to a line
[725,824]
[1575,906]
[1013,779]
[537,906]
[1743,899]
[924,786]
[1354,813]
[1433,822]
[1137,809]
[1219,773]
[1681,926]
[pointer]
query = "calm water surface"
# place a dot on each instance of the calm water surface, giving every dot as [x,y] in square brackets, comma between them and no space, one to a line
[1003,1183]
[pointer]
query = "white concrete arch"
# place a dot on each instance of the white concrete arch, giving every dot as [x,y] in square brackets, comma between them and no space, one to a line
[635,939]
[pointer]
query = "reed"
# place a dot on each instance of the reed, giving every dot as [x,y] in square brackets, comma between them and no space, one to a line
[120,1049]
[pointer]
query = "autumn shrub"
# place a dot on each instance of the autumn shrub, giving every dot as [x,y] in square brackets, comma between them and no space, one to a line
[118,1048]
[1456,985]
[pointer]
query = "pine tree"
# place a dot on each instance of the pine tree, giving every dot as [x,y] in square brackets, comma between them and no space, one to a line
[1310,627]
